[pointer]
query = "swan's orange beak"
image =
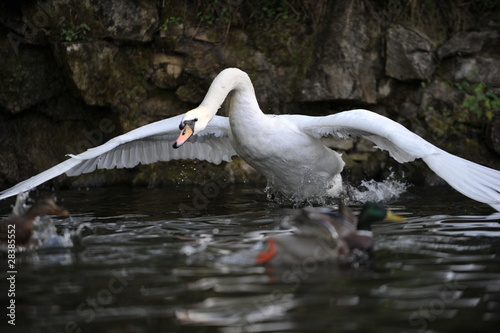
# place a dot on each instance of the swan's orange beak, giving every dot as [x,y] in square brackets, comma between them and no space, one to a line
[186,133]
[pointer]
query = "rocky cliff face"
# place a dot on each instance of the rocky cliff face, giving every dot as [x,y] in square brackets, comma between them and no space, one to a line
[78,72]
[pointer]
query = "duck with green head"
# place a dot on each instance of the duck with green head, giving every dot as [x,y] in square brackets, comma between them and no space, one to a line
[323,235]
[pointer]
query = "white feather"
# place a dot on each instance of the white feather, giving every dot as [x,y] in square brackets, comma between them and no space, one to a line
[471,179]
[147,144]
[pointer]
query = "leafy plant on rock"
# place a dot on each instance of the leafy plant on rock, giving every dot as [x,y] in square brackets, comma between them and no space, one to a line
[479,99]
[75,33]
[169,21]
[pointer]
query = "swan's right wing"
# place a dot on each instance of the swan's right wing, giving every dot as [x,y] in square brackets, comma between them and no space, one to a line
[473,180]
[144,145]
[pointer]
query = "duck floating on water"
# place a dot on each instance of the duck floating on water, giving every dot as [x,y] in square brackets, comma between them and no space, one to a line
[23,224]
[323,235]
[286,149]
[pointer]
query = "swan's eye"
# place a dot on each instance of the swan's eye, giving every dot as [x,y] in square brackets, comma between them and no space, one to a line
[189,123]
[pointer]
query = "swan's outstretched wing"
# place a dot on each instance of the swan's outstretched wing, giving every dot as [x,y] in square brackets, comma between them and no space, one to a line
[146,144]
[473,180]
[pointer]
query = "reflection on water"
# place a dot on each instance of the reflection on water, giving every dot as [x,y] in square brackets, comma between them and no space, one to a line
[157,260]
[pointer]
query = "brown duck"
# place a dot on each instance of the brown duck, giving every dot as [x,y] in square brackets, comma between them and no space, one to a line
[23,224]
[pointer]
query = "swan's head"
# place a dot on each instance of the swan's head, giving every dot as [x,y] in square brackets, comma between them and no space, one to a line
[194,121]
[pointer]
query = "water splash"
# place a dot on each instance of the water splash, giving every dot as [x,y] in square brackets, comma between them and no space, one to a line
[22,204]
[374,191]
[45,235]
[368,191]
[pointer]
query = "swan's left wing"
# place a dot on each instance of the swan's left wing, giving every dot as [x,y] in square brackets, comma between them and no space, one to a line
[144,145]
[473,180]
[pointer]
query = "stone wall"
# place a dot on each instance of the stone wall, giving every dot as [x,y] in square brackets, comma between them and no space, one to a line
[78,72]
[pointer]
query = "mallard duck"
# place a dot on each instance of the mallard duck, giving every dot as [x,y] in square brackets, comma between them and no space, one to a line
[23,224]
[286,149]
[323,235]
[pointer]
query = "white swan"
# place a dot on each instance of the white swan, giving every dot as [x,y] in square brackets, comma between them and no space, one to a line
[284,148]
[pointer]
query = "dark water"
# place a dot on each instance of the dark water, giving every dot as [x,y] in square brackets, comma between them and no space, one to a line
[160,260]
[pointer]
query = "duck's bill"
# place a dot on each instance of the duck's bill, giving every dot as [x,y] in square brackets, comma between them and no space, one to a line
[59,212]
[390,216]
[186,133]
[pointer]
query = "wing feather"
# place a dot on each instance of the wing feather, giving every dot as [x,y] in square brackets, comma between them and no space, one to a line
[471,179]
[145,145]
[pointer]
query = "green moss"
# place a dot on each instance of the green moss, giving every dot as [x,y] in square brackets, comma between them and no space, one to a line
[189,172]
[194,172]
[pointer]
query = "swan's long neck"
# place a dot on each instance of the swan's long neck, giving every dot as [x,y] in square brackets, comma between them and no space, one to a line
[235,81]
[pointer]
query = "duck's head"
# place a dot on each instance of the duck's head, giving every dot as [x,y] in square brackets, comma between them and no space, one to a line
[46,206]
[374,212]
[192,123]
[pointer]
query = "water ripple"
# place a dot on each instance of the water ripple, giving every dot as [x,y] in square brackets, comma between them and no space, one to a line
[141,266]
